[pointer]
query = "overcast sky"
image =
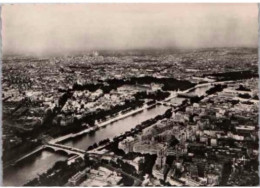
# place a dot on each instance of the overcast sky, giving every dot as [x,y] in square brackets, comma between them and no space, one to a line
[65,29]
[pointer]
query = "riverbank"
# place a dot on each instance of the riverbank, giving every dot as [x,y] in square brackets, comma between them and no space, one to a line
[100,125]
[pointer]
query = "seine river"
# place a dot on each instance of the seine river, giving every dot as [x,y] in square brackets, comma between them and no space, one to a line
[30,168]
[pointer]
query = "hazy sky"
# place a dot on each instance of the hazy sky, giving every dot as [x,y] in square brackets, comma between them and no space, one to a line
[66,28]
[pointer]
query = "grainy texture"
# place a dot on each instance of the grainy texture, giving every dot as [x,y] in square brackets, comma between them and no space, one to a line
[130,95]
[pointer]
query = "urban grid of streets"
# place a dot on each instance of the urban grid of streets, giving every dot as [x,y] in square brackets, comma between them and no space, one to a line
[143,118]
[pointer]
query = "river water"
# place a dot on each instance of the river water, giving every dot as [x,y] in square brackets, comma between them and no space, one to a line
[28,169]
[115,129]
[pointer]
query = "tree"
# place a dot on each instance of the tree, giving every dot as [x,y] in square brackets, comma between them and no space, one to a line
[86,159]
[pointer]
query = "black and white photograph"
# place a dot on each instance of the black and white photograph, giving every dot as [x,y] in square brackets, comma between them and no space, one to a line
[130,94]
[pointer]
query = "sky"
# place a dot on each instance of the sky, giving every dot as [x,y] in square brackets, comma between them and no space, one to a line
[62,29]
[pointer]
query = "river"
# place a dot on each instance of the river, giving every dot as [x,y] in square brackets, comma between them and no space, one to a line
[28,169]
[115,128]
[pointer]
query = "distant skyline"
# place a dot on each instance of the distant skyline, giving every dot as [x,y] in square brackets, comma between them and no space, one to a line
[64,29]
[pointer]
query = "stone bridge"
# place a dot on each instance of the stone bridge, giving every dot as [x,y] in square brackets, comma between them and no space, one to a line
[73,151]
[67,149]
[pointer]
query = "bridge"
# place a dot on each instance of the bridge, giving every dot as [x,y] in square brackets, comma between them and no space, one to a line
[175,94]
[74,151]
[67,149]
[62,148]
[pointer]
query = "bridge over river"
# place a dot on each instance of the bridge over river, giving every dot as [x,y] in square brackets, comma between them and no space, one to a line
[67,149]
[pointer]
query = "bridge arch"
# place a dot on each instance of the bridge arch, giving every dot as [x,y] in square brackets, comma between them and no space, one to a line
[58,150]
[63,152]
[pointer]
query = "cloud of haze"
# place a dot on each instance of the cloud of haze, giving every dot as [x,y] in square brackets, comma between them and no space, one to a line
[60,29]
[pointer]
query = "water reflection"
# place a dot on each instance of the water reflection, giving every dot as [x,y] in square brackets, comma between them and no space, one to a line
[29,168]
[116,128]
